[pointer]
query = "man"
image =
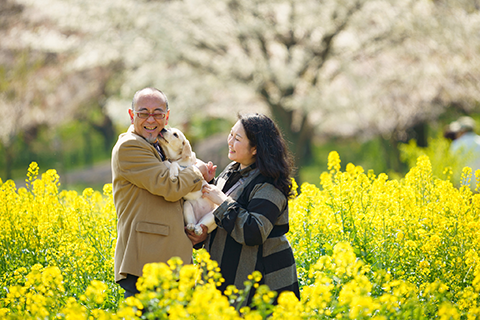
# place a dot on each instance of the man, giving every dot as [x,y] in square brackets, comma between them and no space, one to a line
[467,145]
[150,225]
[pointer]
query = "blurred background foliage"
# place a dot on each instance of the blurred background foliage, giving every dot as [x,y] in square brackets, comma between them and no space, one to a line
[375,80]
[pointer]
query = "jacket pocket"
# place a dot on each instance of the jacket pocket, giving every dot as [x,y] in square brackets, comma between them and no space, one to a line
[154,228]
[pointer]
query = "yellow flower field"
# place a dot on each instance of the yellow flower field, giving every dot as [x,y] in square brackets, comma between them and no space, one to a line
[366,246]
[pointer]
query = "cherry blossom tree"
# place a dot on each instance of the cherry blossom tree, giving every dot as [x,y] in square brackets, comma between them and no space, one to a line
[39,85]
[334,67]
[357,68]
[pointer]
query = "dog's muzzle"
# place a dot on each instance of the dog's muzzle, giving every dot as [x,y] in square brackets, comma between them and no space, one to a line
[161,134]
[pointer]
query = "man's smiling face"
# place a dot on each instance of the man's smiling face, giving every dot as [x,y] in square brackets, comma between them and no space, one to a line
[148,104]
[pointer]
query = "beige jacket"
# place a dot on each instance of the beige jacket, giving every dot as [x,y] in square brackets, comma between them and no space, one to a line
[150,225]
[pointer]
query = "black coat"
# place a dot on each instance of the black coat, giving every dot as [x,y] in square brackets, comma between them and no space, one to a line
[250,236]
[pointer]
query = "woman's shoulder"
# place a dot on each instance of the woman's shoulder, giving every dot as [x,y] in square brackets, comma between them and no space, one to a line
[264,184]
[263,189]
[260,178]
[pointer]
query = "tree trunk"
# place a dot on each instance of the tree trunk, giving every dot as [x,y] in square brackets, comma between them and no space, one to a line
[420,134]
[107,130]
[392,154]
[8,161]
[298,140]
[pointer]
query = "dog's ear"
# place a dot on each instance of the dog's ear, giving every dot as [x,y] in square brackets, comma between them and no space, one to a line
[187,149]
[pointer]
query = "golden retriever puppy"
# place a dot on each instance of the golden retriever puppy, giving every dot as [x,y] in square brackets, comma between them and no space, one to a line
[196,210]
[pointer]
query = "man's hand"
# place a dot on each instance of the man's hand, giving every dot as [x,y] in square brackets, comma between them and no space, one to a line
[197,239]
[207,169]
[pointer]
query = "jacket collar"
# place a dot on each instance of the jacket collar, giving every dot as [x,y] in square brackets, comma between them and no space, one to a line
[235,169]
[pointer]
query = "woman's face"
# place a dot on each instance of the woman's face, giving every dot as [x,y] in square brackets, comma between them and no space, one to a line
[239,148]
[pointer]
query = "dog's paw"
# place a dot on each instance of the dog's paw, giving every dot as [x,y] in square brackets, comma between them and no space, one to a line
[173,174]
[191,227]
[174,170]
[198,230]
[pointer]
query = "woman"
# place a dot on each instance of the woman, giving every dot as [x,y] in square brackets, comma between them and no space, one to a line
[252,218]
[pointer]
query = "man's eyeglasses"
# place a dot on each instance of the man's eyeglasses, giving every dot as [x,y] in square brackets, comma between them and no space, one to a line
[146,115]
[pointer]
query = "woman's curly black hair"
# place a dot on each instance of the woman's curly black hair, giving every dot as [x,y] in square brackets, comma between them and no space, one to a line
[273,158]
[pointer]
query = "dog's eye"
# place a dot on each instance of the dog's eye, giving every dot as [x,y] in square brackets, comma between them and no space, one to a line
[175,135]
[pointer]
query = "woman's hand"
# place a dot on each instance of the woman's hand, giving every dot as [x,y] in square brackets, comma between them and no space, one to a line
[207,169]
[213,193]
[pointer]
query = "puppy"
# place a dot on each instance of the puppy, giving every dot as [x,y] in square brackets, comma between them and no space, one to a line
[196,210]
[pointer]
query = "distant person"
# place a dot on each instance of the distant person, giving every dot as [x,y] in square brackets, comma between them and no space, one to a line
[450,132]
[150,225]
[466,146]
[252,218]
